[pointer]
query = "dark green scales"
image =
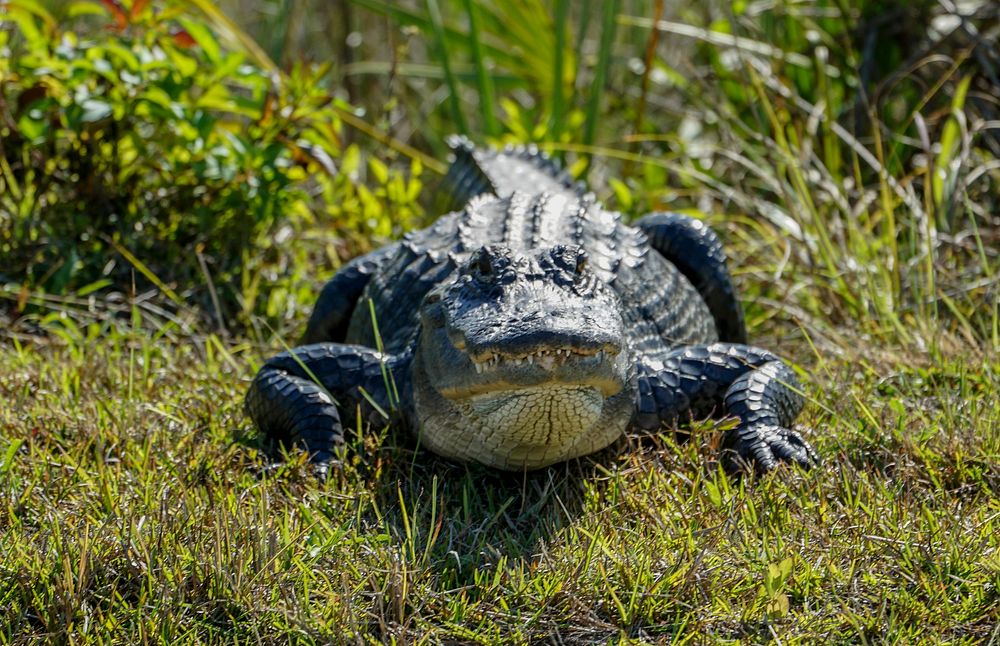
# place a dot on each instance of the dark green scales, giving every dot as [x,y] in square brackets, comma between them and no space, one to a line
[530,326]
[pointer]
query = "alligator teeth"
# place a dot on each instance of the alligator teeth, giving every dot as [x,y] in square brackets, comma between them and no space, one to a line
[546,358]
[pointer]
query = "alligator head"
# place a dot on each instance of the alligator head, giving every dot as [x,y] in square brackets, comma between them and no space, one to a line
[524,358]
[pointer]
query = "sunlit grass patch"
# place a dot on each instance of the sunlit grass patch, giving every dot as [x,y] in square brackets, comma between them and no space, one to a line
[133,498]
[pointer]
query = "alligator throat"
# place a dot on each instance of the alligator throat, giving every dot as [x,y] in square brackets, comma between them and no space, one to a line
[536,417]
[530,427]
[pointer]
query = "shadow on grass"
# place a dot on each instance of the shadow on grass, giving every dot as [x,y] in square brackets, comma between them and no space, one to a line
[456,519]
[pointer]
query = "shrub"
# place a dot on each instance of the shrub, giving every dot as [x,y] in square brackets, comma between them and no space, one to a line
[136,144]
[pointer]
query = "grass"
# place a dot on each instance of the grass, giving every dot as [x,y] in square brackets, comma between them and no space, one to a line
[135,504]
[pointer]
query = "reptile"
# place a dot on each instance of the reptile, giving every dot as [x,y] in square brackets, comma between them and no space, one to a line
[529,326]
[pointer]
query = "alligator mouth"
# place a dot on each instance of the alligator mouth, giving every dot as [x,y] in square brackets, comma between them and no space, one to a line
[547,359]
[601,367]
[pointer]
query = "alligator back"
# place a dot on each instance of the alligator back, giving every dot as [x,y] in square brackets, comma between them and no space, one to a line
[477,171]
[659,305]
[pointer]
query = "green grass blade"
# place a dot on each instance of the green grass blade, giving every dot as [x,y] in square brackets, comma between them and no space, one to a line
[558,73]
[601,73]
[356,122]
[234,34]
[950,147]
[147,272]
[483,78]
[437,26]
[403,16]
[581,28]
[8,458]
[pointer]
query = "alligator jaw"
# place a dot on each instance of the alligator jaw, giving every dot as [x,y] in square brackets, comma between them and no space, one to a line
[496,373]
[546,359]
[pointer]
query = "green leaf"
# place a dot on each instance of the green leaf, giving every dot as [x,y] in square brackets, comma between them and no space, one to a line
[714,493]
[95,110]
[33,130]
[124,55]
[777,574]
[158,97]
[351,160]
[85,8]
[185,65]
[379,170]
[217,97]
[622,193]
[27,25]
[778,606]
[205,39]
[33,8]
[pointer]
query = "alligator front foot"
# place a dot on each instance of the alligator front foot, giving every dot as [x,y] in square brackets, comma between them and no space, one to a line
[299,397]
[729,379]
[761,447]
[766,400]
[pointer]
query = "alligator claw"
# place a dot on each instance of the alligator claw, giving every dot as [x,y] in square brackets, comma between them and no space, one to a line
[321,471]
[762,447]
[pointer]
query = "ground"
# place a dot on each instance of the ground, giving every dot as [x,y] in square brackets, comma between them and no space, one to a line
[134,501]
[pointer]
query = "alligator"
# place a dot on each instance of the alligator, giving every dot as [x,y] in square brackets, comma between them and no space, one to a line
[530,326]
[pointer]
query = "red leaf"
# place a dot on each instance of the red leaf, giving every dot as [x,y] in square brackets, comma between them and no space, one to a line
[117,12]
[137,7]
[182,38]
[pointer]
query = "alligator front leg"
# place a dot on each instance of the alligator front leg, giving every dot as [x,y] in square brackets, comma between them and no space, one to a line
[332,312]
[748,383]
[298,397]
[695,249]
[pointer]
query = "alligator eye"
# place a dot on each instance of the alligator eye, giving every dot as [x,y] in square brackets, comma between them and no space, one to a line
[483,264]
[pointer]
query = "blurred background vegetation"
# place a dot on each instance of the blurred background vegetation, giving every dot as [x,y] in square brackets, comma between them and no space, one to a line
[225,159]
